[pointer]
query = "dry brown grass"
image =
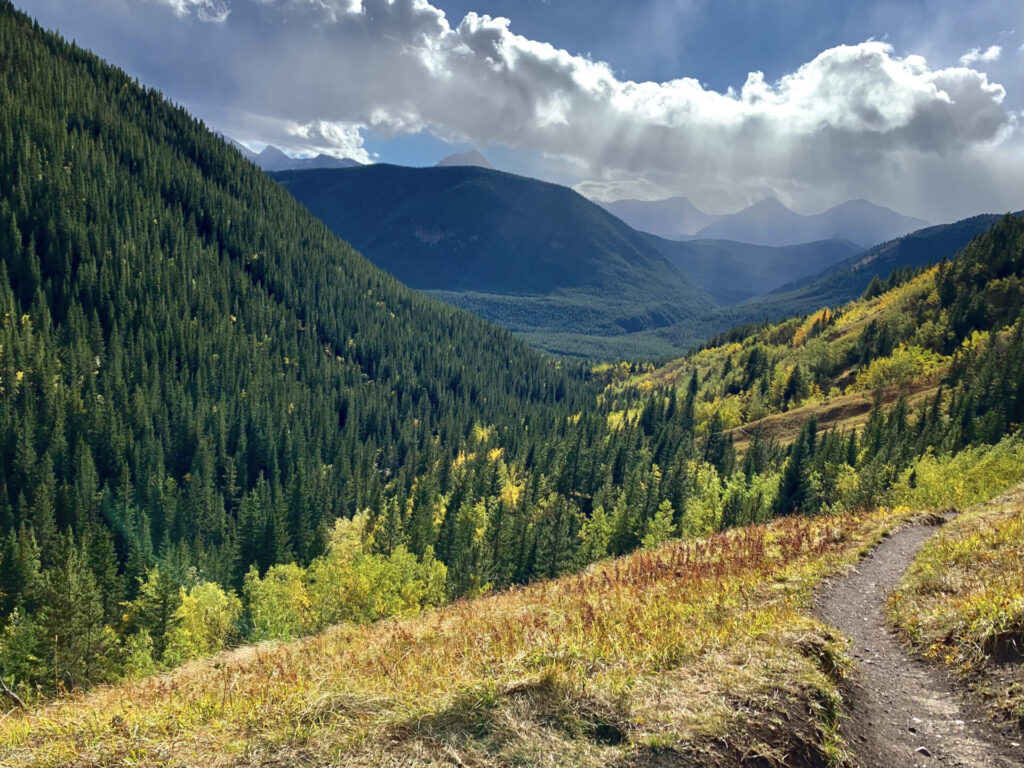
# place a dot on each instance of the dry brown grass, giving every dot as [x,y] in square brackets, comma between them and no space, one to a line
[699,653]
[844,413]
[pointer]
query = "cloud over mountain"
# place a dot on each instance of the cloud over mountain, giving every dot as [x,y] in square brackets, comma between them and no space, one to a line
[856,120]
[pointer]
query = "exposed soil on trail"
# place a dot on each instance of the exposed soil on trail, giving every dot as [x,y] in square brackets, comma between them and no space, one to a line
[903,712]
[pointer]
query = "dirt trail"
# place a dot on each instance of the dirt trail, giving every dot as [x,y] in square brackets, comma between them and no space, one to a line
[902,712]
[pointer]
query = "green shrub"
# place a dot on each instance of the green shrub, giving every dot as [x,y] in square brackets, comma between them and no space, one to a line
[970,477]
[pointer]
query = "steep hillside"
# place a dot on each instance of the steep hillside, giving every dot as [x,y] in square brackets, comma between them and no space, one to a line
[675,218]
[197,380]
[535,257]
[701,653]
[731,272]
[849,278]
[887,347]
[219,425]
[769,222]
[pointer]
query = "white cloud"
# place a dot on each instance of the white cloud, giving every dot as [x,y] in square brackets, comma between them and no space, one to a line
[856,120]
[215,11]
[973,56]
[338,139]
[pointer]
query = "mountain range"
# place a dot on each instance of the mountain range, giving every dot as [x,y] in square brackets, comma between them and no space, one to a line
[274,159]
[847,279]
[767,222]
[837,285]
[674,218]
[545,262]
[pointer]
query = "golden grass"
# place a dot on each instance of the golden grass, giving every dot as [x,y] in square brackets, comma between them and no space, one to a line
[702,650]
[962,602]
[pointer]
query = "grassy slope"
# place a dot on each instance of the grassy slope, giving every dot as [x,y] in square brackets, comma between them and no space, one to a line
[845,412]
[699,652]
[962,602]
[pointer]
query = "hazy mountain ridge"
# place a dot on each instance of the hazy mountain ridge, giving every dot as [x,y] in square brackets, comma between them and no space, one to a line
[769,222]
[847,279]
[732,272]
[837,285]
[273,159]
[508,248]
[674,218]
[472,157]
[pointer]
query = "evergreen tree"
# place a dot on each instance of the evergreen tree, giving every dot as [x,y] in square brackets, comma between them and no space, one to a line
[154,612]
[70,620]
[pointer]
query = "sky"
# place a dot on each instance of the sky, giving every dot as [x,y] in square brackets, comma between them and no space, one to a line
[913,104]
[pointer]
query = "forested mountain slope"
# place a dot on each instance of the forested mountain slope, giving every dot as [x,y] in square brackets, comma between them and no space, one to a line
[849,278]
[731,271]
[195,373]
[535,257]
[944,325]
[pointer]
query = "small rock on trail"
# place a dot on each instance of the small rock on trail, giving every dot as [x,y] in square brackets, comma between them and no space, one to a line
[903,713]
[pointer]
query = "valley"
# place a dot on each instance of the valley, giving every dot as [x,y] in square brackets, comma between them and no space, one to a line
[561,274]
[311,462]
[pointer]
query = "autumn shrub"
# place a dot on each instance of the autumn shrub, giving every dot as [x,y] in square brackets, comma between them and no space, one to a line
[347,584]
[974,475]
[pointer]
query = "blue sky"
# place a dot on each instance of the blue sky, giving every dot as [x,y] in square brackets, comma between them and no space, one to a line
[911,104]
[720,42]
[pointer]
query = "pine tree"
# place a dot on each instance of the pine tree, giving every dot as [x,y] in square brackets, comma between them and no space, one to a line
[154,610]
[70,620]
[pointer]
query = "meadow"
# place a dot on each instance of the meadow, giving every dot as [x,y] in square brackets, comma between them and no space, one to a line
[703,649]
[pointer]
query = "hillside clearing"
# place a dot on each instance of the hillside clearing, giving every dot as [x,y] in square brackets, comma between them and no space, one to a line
[843,413]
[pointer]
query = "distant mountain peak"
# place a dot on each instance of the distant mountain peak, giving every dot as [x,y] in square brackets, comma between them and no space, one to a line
[770,222]
[275,159]
[769,204]
[473,157]
[674,218]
